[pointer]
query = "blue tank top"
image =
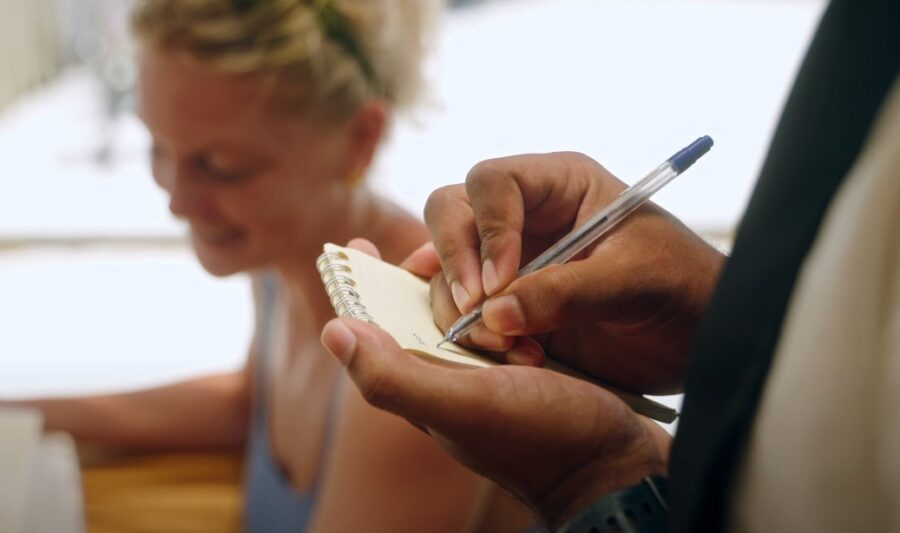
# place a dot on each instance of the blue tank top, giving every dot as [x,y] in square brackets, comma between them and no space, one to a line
[272,504]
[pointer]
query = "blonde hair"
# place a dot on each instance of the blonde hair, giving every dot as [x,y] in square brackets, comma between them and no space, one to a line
[289,39]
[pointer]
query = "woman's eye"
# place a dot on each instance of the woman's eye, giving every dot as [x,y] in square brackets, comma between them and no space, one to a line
[221,174]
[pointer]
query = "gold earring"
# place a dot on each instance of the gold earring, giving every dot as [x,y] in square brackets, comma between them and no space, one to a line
[355,179]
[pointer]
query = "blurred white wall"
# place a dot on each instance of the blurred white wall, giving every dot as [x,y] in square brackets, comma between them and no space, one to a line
[29,46]
[76,321]
[626,82]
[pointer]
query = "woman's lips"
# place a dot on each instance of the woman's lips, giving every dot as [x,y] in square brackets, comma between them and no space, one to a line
[215,237]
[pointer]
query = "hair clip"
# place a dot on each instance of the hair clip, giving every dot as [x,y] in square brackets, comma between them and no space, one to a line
[336,28]
[243,5]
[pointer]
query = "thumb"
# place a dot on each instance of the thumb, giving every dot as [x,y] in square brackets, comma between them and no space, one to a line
[556,297]
[365,246]
[397,381]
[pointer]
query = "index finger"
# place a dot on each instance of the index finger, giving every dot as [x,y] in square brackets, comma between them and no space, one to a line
[423,262]
[539,194]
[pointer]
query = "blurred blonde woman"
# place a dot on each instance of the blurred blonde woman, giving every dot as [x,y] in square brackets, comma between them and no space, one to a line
[265,116]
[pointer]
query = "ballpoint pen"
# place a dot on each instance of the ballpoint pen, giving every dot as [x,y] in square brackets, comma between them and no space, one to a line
[598,225]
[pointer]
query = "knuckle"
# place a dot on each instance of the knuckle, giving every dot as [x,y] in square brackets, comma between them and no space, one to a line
[498,229]
[576,305]
[378,389]
[580,160]
[439,200]
[492,234]
[449,256]
[483,172]
[578,157]
[553,300]
[374,378]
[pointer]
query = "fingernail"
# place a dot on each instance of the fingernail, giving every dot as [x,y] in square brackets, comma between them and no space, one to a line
[489,277]
[504,315]
[523,358]
[340,341]
[528,355]
[460,295]
[488,339]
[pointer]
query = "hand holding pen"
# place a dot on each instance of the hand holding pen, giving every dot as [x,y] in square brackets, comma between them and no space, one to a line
[624,311]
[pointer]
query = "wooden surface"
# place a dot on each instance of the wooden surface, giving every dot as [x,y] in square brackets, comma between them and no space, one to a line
[185,492]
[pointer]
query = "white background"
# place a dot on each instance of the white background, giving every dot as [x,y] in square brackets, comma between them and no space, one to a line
[628,83]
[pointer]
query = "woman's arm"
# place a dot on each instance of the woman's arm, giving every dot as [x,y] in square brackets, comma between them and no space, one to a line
[384,475]
[202,413]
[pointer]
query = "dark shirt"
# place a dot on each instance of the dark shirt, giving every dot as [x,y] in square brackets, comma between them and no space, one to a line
[848,71]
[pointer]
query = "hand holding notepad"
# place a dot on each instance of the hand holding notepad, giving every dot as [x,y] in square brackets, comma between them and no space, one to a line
[363,287]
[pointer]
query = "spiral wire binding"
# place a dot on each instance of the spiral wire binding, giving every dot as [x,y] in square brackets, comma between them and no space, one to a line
[334,270]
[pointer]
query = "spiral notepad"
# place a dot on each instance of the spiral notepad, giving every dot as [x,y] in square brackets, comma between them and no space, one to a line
[369,289]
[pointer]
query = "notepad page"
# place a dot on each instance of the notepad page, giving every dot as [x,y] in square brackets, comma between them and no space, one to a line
[400,303]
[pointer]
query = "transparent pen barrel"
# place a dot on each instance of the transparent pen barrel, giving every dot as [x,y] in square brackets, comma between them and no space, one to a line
[629,200]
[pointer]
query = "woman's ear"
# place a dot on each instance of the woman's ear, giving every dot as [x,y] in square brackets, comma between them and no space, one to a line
[367,128]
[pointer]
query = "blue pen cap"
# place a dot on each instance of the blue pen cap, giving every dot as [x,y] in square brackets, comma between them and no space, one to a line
[688,156]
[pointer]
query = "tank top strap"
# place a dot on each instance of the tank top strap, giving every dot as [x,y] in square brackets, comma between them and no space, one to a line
[269,297]
[330,432]
[265,333]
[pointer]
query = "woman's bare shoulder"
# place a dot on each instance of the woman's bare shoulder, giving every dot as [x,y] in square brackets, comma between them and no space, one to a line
[377,460]
[403,233]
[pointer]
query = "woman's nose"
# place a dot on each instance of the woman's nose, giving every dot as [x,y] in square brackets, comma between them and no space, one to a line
[186,195]
[186,199]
